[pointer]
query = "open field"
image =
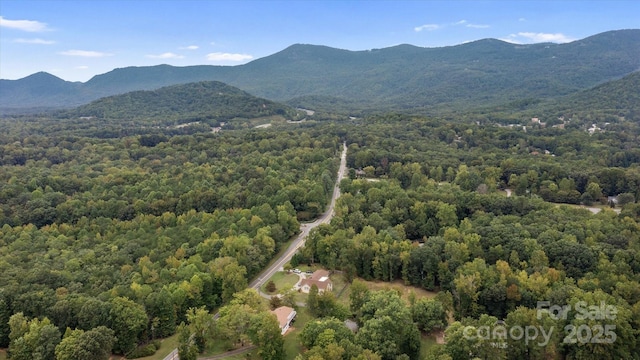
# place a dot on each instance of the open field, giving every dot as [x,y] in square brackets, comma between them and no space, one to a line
[283,281]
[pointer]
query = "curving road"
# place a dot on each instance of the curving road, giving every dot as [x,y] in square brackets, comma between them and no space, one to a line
[305,228]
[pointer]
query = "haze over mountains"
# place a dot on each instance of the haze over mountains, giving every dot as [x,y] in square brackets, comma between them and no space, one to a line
[483,72]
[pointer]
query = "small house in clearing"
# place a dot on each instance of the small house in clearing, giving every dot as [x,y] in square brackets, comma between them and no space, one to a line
[285,316]
[320,278]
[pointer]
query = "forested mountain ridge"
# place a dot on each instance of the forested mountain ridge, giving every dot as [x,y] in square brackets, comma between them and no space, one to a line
[613,102]
[39,90]
[618,99]
[209,101]
[404,76]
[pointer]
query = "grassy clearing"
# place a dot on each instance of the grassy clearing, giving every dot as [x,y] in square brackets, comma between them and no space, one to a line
[341,288]
[217,347]
[283,281]
[3,354]
[300,297]
[404,290]
[427,343]
[275,119]
[401,287]
[312,268]
[292,346]
[221,348]
[169,344]
[166,346]
[243,356]
[595,208]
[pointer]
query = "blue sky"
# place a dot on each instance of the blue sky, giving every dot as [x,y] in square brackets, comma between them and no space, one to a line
[76,40]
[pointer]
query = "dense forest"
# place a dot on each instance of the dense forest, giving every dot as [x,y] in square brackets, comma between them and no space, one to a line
[426,209]
[117,231]
[94,226]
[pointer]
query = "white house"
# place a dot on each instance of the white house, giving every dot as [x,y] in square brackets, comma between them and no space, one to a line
[285,316]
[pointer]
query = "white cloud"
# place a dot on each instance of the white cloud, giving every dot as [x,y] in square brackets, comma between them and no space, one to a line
[82,67]
[34,41]
[478,26]
[470,25]
[522,19]
[465,23]
[427,27]
[190,47]
[510,39]
[85,53]
[531,37]
[167,55]
[24,25]
[228,57]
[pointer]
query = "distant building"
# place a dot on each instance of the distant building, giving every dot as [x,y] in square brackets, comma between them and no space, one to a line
[320,278]
[594,128]
[537,121]
[285,316]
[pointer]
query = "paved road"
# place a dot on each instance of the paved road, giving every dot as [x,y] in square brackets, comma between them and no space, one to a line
[291,250]
[173,355]
[305,228]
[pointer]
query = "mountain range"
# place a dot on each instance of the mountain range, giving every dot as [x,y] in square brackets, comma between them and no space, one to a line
[478,73]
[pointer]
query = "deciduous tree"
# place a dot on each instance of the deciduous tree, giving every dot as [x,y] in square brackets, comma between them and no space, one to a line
[128,320]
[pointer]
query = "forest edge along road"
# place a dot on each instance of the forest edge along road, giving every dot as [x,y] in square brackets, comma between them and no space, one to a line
[299,240]
[305,228]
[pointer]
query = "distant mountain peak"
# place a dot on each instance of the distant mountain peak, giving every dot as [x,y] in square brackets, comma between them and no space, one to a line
[41,76]
[399,77]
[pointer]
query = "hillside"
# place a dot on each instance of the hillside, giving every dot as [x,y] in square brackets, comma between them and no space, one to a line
[619,97]
[614,101]
[401,77]
[210,101]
